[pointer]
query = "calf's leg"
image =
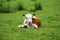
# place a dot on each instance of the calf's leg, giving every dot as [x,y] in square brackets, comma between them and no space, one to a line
[23,26]
[35,26]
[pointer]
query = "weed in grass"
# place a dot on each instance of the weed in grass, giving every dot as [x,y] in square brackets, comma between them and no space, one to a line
[38,6]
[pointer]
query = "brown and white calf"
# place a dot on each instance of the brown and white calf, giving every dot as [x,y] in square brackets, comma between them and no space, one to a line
[31,21]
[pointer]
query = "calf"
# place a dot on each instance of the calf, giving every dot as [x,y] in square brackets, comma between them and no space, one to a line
[31,21]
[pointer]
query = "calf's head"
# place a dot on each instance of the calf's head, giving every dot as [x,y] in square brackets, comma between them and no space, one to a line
[29,17]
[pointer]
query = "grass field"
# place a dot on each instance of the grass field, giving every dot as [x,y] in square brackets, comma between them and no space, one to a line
[49,16]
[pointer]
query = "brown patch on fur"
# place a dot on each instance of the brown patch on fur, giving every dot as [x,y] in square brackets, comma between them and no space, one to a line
[36,21]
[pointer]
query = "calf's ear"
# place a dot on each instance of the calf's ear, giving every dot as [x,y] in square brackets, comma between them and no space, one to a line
[23,15]
[33,14]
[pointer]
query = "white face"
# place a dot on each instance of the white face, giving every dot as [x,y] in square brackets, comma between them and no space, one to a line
[28,17]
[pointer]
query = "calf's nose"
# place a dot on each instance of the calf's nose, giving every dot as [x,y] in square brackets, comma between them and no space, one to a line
[30,23]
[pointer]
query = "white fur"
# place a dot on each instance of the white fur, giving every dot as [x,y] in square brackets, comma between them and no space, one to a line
[28,17]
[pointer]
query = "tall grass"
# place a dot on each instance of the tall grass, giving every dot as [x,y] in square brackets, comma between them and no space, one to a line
[12,6]
[17,5]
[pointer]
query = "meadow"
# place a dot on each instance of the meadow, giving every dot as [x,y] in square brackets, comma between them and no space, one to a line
[49,16]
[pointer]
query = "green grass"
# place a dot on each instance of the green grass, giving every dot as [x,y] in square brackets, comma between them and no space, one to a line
[49,16]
